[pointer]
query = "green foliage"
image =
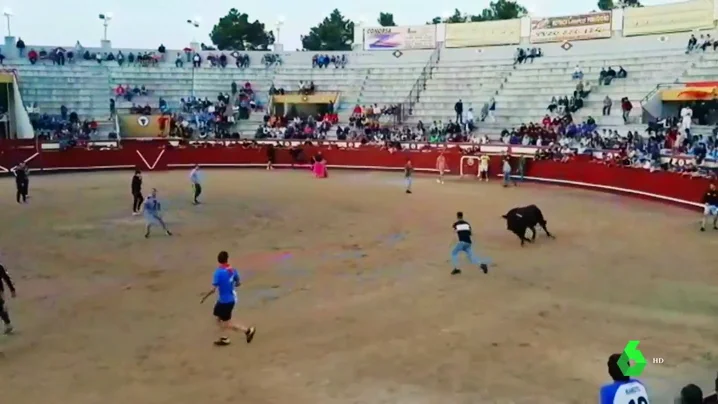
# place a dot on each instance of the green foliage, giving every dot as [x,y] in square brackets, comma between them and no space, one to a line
[386,20]
[497,10]
[334,33]
[235,32]
[607,5]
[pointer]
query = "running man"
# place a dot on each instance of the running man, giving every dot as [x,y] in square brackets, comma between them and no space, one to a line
[152,211]
[463,232]
[441,167]
[4,314]
[408,172]
[196,186]
[225,280]
[710,199]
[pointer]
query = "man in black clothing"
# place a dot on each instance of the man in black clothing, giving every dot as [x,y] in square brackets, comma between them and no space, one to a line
[4,315]
[710,199]
[463,232]
[21,182]
[459,109]
[137,197]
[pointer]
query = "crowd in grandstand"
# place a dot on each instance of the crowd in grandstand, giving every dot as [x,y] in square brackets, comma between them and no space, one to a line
[323,61]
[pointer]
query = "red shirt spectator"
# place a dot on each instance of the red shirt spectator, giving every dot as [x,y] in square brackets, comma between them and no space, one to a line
[248,87]
[546,121]
[32,55]
[357,110]
[120,91]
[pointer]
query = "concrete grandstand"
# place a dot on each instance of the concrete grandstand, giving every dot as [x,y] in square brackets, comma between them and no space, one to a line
[475,62]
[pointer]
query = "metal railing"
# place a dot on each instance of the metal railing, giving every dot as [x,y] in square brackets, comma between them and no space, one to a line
[407,107]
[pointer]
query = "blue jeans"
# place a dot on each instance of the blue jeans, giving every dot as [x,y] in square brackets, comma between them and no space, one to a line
[408,183]
[507,177]
[464,247]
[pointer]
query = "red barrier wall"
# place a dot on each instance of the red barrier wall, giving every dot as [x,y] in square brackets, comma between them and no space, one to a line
[667,187]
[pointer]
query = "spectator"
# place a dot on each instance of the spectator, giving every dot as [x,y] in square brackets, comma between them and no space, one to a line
[492,109]
[692,42]
[178,60]
[706,42]
[577,73]
[2,58]
[161,50]
[196,60]
[20,45]
[32,56]
[691,394]
[622,73]
[609,76]
[459,109]
[519,56]
[271,59]
[626,107]
[607,106]
[468,120]
[484,111]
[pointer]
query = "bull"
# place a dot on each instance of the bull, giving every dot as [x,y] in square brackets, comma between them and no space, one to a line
[527,217]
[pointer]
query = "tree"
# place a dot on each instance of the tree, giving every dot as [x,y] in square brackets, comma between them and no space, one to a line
[335,33]
[235,32]
[497,10]
[607,5]
[386,20]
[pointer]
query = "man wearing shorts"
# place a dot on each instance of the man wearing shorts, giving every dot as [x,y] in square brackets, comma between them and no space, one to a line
[225,280]
[484,167]
[710,199]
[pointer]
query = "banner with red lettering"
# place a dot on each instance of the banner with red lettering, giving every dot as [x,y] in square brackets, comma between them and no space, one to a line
[571,28]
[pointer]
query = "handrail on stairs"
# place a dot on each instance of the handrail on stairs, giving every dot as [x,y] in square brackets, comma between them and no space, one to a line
[407,107]
[659,87]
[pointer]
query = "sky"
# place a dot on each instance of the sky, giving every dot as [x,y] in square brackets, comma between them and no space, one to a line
[146,24]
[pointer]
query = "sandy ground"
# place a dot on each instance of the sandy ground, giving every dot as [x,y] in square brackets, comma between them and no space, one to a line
[347,281]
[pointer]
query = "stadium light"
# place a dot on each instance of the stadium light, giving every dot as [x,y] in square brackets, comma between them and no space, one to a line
[7,12]
[106,18]
[280,22]
[194,22]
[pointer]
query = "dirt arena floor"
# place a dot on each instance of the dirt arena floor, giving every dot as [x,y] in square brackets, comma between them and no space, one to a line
[347,281]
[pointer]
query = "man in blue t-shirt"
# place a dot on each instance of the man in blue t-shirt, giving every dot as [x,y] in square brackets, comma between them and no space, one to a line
[225,280]
[623,390]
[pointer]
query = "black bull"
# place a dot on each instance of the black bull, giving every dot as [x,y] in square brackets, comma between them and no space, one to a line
[527,217]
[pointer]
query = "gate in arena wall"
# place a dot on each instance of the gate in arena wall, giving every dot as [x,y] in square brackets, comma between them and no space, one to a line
[7,124]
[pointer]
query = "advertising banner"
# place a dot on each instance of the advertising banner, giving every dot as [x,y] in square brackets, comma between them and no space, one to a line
[678,17]
[571,28]
[693,91]
[400,38]
[472,34]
